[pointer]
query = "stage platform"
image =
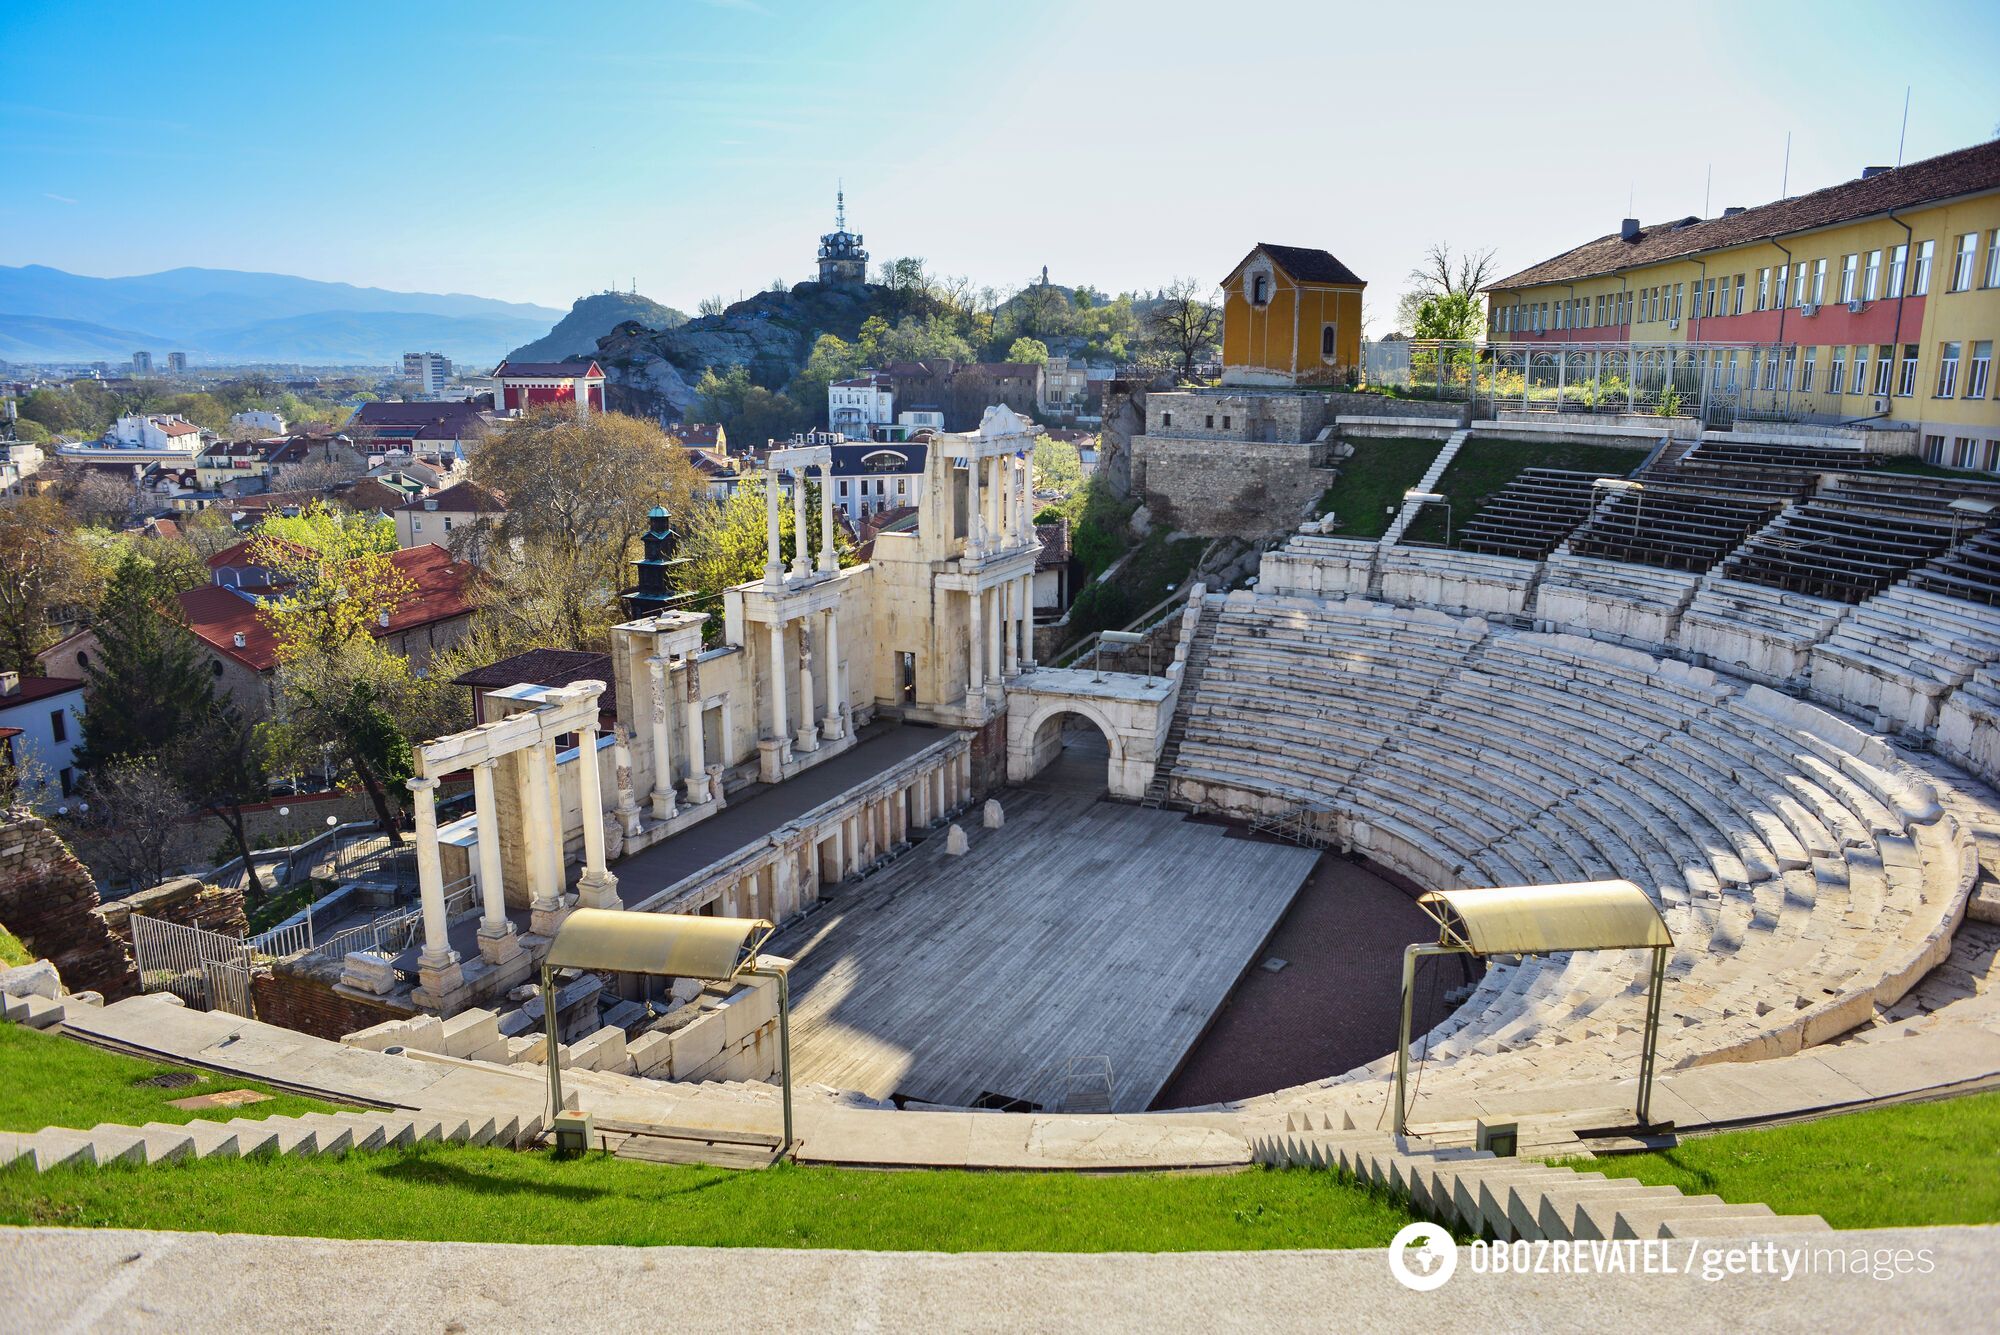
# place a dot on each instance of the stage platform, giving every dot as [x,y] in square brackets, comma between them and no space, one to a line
[1082,929]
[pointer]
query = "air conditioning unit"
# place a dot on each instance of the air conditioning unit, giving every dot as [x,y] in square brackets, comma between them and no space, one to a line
[1673,324]
[1881,405]
[1854,307]
[1809,308]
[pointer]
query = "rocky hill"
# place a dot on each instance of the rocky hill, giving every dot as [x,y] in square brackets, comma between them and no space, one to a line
[654,370]
[590,319]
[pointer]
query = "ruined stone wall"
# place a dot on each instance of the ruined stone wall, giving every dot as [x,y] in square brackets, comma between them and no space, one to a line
[1217,488]
[305,1000]
[47,898]
[184,900]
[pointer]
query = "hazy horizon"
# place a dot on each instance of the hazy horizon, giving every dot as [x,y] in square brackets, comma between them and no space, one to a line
[696,148]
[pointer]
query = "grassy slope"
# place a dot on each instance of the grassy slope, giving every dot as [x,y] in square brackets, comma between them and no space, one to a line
[450,1193]
[1373,479]
[12,952]
[1485,466]
[1920,1163]
[48,1080]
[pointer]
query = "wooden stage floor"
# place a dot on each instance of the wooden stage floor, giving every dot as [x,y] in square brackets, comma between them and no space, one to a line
[1081,929]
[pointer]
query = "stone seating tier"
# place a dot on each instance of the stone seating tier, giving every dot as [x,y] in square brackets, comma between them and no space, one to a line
[1807,872]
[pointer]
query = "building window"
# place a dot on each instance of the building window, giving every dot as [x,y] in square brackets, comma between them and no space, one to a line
[1975,370]
[1763,289]
[1899,257]
[1771,370]
[1799,285]
[1836,374]
[1806,371]
[1225,421]
[1819,282]
[1993,258]
[1260,289]
[1961,263]
[1329,342]
[1860,382]
[1884,359]
[1166,419]
[1906,379]
[1739,295]
[1208,423]
[1934,449]
[1778,291]
[1965,452]
[1873,276]
[58,725]
[1791,367]
[1920,272]
[1947,381]
[1849,271]
[68,777]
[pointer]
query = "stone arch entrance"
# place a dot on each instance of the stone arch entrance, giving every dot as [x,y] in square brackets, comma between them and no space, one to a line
[1130,714]
[1079,744]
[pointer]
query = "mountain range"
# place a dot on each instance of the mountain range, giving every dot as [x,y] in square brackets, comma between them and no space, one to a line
[230,315]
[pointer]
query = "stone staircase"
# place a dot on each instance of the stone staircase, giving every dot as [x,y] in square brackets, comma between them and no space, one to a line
[1429,481]
[1191,675]
[243,1138]
[33,1012]
[1514,1199]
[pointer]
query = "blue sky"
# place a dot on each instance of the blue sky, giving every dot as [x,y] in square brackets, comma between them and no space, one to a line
[537,152]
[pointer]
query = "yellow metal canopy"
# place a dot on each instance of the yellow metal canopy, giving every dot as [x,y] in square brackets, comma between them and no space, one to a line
[685,945]
[1539,919]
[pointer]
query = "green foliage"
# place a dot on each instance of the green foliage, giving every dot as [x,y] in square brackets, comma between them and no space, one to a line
[49,1080]
[1902,1166]
[1031,350]
[1482,467]
[12,953]
[1670,402]
[148,681]
[726,541]
[1058,467]
[327,531]
[1449,315]
[751,413]
[1372,482]
[463,1193]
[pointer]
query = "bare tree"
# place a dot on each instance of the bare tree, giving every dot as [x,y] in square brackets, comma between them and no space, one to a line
[1443,274]
[133,823]
[713,305]
[100,497]
[1186,322]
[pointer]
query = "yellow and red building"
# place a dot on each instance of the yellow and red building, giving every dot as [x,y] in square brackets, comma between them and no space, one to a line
[1876,301]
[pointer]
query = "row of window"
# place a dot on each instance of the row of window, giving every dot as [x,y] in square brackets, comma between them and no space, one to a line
[1861,278]
[1963,452]
[1964,370]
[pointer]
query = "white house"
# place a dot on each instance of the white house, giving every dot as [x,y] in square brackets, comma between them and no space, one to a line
[155,431]
[41,722]
[19,460]
[854,408]
[259,422]
[875,476]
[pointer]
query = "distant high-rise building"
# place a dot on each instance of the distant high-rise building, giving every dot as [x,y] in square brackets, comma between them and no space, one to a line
[431,371]
[177,363]
[142,363]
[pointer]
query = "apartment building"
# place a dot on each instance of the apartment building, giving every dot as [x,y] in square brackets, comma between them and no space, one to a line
[1873,301]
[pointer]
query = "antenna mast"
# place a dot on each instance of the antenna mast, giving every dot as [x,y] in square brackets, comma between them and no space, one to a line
[1904,134]
[1784,189]
[840,206]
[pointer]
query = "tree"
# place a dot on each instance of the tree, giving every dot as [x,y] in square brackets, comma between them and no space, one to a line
[48,575]
[1443,274]
[713,305]
[578,490]
[1452,316]
[131,822]
[751,413]
[218,761]
[1029,350]
[335,680]
[1058,467]
[102,498]
[1185,322]
[727,541]
[148,682]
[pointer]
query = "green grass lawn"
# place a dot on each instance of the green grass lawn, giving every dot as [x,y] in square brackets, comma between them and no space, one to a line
[453,1193]
[1904,463]
[12,952]
[1917,1163]
[1483,467]
[49,1080]
[1373,479]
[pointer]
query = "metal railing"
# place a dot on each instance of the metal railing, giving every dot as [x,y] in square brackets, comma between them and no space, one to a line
[205,969]
[393,932]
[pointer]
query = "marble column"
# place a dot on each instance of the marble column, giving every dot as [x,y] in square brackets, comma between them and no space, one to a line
[774,569]
[975,679]
[780,724]
[1027,622]
[596,888]
[996,635]
[801,531]
[663,760]
[835,724]
[808,738]
[975,518]
[697,741]
[1013,611]
[829,560]
[545,840]
[497,942]
[438,970]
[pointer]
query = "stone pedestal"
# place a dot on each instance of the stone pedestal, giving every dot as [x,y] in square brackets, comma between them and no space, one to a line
[497,947]
[955,842]
[832,727]
[548,915]
[598,890]
[773,755]
[442,988]
[806,740]
[992,817]
[697,789]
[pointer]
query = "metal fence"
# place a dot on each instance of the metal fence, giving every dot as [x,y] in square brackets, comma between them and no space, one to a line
[358,850]
[1717,382]
[207,970]
[393,932]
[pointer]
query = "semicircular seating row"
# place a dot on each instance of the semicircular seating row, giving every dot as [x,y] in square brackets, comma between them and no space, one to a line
[1807,870]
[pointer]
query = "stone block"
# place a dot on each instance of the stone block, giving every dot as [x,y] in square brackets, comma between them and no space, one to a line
[955,842]
[366,971]
[748,1009]
[38,979]
[601,1051]
[652,1054]
[991,816]
[697,1043]
[468,1032]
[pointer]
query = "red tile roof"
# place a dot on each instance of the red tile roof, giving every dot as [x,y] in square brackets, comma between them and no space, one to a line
[40,688]
[443,591]
[548,370]
[460,498]
[696,435]
[1968,171]
[177,428]
[419,421]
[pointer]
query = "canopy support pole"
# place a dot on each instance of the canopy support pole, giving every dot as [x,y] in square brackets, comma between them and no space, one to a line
[1410,957]
[784,1043]
[550,1044]
[1655,985]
